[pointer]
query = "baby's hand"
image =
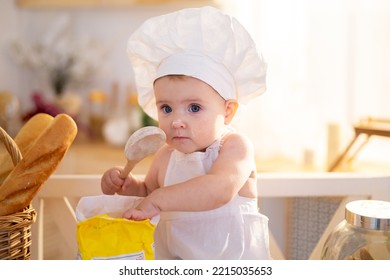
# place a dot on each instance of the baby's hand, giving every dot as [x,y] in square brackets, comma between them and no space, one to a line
[111,182]
[145,210]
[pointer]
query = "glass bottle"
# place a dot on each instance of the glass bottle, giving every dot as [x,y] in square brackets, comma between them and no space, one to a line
[364,234]
[97,113]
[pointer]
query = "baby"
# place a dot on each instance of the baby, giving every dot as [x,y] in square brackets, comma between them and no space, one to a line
[192,69]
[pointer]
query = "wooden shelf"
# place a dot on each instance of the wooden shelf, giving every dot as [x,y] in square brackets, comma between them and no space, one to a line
[100,3]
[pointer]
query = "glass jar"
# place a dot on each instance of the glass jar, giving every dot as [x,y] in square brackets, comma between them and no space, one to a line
[364,234]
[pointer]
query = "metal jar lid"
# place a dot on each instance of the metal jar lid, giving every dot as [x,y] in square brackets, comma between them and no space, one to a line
[369,214]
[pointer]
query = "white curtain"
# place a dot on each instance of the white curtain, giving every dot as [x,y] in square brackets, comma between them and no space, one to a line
[328,66]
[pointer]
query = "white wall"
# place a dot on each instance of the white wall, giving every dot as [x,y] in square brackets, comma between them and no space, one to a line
[327,63]
[9,26]
[111,26]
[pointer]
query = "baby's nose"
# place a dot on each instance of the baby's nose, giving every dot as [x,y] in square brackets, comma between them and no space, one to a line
[178,124]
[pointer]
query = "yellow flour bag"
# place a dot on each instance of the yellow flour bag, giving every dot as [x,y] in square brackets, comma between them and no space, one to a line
[102,233]
[104,237]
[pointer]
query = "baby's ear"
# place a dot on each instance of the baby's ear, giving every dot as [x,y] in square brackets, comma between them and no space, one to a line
[231,106]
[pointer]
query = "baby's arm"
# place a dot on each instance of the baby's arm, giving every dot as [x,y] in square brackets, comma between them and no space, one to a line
[228,174]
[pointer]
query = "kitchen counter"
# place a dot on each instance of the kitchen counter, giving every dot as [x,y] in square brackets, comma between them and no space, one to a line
[96,158]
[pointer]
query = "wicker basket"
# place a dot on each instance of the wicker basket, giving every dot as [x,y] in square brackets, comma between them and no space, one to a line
[15,229]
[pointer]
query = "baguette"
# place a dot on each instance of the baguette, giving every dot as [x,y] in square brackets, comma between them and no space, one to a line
[16,202]
[24,139]
[39,162]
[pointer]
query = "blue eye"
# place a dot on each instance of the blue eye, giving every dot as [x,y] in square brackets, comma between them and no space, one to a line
[166,109]
[194,108]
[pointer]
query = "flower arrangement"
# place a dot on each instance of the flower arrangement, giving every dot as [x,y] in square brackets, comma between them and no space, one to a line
[59,58]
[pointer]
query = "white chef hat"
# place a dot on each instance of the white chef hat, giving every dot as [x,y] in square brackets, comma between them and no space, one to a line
[200,42]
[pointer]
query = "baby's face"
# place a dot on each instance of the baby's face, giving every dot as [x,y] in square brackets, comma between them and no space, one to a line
[191,113]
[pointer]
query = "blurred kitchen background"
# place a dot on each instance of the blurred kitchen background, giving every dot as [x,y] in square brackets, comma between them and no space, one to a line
[328,82]
[327,70]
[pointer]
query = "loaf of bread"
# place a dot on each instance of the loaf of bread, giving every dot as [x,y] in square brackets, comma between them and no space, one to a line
[24,139]
[38,163]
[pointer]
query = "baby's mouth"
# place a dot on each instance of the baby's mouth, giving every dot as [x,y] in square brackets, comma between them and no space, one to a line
[178,137]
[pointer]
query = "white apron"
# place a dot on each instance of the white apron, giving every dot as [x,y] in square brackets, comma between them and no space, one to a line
[234,231]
